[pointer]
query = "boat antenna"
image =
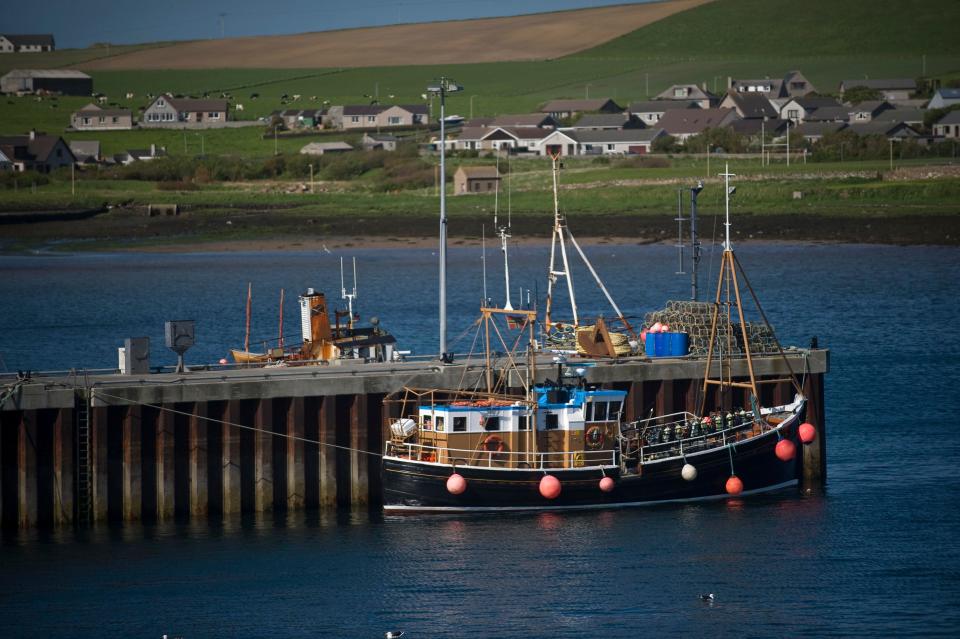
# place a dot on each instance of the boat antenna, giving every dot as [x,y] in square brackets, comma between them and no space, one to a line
[483,259]
[727,192]
[343,289]
[694,239]
[504,236]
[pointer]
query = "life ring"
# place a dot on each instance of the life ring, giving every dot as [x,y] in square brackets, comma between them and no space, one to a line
[493,444]
[594,437]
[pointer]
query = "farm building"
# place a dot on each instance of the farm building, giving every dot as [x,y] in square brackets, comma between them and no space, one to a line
[379,142]
[65,81]
[892,90]
[475,179]
[37,43]
[321,148]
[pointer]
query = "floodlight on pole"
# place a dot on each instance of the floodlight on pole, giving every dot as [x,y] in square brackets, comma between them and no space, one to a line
[441,88]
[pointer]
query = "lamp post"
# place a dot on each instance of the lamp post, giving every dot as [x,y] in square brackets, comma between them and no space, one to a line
[442,88]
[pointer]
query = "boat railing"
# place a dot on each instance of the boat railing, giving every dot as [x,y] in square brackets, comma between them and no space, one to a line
[501,459]
[640,447]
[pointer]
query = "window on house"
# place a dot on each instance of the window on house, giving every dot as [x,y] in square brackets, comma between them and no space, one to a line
[214,115]
[394,120]
[610,147]
[85,120]
[371,118]
[161,103]
[102,119]
[679,93]
[491,423]
[459,424]
[552,421]
[115,119]
[354,118]
[793,114]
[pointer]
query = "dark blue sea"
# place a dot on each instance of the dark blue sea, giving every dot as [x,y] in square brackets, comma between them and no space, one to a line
[876,554]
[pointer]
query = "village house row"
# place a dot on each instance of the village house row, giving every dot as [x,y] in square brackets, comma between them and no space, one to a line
[767,107]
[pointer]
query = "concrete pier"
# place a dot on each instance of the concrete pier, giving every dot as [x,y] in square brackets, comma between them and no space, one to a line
[217,442]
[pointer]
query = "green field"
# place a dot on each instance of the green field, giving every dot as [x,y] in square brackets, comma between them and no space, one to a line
[828,41]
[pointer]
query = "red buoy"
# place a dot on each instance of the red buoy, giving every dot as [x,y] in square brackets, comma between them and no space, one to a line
[606,484]
[785,450]
[456,484]
[807,432]
[734,485]
[550,487]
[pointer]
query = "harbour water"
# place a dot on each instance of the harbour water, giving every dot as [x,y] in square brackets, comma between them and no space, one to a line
[876,554]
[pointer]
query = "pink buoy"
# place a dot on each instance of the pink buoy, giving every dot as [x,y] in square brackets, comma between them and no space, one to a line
[550,487]
[734,485]
[664,328]
[656,328]
[606,484]
[223,360]
[643,335]
[456,484]
[785,450]
[807,432]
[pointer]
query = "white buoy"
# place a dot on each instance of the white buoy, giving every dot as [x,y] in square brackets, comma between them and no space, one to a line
[688,472]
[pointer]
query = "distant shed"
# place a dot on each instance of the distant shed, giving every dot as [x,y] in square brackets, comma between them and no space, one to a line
[65,81]
[475,179]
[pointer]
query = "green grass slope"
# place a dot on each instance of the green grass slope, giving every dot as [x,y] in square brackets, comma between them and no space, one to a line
[786,28]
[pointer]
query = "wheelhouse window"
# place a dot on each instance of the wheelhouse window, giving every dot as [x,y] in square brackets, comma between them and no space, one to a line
[459,424]
[599,411]
[524,422]
[439,424]
[427,422]
[491,423]
[552,421]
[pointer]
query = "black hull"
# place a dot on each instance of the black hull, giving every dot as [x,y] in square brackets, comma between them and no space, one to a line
[413,486]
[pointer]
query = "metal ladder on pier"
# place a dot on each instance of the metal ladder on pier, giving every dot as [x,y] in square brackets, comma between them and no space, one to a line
[82,404]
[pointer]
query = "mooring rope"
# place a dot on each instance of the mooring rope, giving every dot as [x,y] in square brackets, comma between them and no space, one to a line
[234,424]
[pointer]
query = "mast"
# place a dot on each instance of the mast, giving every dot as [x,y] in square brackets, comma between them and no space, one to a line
[728,276]
[558,228]
[694,241]
[246,339]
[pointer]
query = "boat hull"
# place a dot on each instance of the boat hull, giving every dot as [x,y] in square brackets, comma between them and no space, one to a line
[411,486]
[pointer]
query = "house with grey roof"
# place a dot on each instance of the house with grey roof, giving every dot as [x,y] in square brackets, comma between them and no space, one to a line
[26,43]
[570,108]
[607,122]
[86,151]
[793,85]
[171,112]
[913,117]
[891,89]
[749,106]
[867,110]
[650,111]
[890,130]
[379,142]
[755,128]
[476,179]
[62,81]
[828,114]
[95,118]
[943,98]
[801,109]
[687,93]
[36,152]
[322,148]
[541,120]
[6,164]
[374,116]
[687,123]
[948,126]
[814,131]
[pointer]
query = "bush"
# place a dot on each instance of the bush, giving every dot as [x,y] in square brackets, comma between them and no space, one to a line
[11,180]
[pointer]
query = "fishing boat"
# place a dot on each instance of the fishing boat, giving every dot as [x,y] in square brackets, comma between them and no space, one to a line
[324,341]
[505,442]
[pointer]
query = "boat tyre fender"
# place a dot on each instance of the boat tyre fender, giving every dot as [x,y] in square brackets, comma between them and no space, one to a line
[594,437]
[493,444]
